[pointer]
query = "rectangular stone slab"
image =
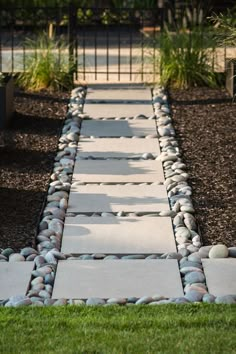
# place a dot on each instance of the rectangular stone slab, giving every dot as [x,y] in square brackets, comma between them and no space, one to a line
[120,278]
[118,171]
[220,275]
[118,235]
[121,110]
[14,278]
[131,198]
[117,128]
[117,148]
[113,94]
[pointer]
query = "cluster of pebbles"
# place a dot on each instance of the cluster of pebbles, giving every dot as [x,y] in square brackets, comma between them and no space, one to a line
[189,246]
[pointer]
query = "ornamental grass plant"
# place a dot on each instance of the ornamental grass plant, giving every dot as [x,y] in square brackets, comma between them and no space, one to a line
[186,58]
[47,65]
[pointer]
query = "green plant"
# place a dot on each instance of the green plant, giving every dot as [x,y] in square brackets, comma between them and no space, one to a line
[185,59]
[47,65]
[225,27]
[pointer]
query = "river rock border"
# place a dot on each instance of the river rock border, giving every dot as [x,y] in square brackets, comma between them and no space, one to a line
[188,240]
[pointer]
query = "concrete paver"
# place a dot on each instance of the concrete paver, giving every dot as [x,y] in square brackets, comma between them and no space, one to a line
[220,275]
[117,148]
[117,128]
[127,110]
[118,171]
[123,278]
[127,198]
[123,94]
[14,278]
[118,235]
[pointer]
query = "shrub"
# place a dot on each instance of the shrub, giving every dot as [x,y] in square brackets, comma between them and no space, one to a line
[185,59]
[225,25]
[47,65]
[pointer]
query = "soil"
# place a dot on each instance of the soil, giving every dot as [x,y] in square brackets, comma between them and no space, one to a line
[204,120]
[205,124]
[26,162]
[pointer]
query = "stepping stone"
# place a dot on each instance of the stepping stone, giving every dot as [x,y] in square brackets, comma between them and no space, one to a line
[121,95]
[117,148]
[114,235]
[131,198]
[118,171]
[220,275]
[119,278]
[117,128]
[121,110]
[14,278]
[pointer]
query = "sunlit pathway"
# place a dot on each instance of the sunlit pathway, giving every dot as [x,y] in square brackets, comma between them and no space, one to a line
[114,204]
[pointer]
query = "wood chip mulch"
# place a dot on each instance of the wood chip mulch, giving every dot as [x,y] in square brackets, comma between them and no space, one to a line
[205,124]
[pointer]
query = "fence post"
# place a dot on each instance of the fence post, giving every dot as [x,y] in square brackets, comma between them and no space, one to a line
[72,34]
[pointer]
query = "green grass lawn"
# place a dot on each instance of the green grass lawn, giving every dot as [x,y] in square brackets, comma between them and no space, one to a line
[196,328]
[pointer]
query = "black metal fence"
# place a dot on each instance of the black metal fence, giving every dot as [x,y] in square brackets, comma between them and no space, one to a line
[105,44]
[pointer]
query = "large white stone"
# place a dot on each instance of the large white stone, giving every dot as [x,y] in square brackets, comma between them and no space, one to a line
[119,278]
[108,198]
[118,171]
[117,128]
[118,148]
[220,275]
[14,278]
[118,94]
[114,235]
[120,110]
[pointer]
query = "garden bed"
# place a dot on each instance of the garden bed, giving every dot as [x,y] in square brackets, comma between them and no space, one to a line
[204,120]
[26,162]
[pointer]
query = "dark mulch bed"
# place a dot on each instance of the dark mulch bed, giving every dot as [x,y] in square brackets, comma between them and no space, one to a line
[205,123]
[26,162]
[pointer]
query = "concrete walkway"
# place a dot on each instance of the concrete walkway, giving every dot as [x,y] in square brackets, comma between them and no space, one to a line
[118,220]
[116,183]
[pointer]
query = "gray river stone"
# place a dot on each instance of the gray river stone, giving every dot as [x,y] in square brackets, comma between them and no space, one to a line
[44,294]
[60,302]
[194,277]
[195,257]
[38,280]
[3,258]
[187,263]
[41,272]
[184,252]
[186,270]
[144,300]
[31,257]
[39,261]
[49,301]
[181,300]
[194,296]
[117,301]
[7,252]
[27,251]
[94,301]
[204,251]
[219,251]
[16,257]
[232,252]
[226,299]
[18,300]
[49,279]
[183,232]
[47,232]
[208,298]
